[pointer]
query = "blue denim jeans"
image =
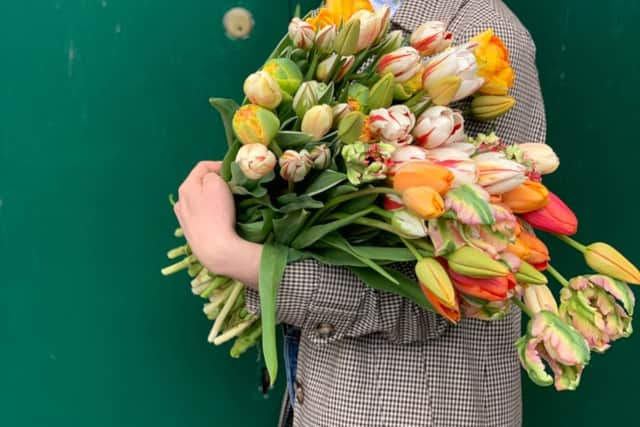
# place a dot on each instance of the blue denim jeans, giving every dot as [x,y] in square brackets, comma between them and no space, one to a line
[291,344]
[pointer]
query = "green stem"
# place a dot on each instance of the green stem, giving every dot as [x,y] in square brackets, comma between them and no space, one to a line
[524,308]
[349,196]
[311,73]
[415,98]
[178,232]
[178,266]
[412,248]
[215,284]
[275,148]
[179,251]
[291,186]
[385,214]
[424,245]
[569,241]
[556,275]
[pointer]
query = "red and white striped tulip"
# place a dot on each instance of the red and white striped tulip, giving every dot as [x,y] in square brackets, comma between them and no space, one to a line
[498,175]
[438,126]
[458,162]
[403,63]
[459,62]
[431,38]
[393,124]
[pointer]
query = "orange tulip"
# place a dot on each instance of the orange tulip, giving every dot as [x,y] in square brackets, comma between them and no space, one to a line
[528,196]
[519,249]
[422,173]
[424,202]
[437,288]
[538,254]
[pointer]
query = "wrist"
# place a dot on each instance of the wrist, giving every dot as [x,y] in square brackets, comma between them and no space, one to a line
[240,260]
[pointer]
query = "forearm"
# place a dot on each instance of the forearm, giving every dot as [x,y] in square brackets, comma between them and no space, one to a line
[241,262]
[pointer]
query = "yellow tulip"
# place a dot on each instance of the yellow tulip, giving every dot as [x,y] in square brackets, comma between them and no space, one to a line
[606,260]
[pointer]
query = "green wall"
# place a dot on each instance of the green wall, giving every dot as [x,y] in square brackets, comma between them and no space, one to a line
[103,110]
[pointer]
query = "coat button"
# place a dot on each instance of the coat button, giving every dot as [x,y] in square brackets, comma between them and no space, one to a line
[299,392]
[325,330]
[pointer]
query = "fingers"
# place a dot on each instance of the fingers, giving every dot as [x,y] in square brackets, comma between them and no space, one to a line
[193,182]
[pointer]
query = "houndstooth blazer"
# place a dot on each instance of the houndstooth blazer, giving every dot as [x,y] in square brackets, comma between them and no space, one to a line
[371,359]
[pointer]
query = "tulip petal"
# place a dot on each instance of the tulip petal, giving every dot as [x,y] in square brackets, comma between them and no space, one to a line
[470,205]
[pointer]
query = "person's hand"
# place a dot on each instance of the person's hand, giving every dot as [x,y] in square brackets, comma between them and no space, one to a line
[206,213]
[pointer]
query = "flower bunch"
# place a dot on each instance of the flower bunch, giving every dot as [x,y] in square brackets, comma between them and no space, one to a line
[350,140]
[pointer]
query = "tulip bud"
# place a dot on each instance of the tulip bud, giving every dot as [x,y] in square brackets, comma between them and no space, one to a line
[439,126]
[392,202]
[539,298]
[339,112]
[301,33]
[473,262]
[347,40]
[431,38]
[254,124]
[357,96]
[446,236]
[408,225]
[255,160]
[295,166]
[489,289]
[350,127]
[408,153]
[437,287]
[528,196]
[443,91]
[371,24]
[497,174]
[424,202]
[487,107]
[391,42]
[381,93]
[555,217]
[606,260]
[459,62]
[325,39]
[529,274]
[305,98]
[325,67]
[394,124]
[321,156]
[317,121]
[420,174]
[550,340]
[286,73]
[262,89]
[541,156]
[537,253]
[403,64]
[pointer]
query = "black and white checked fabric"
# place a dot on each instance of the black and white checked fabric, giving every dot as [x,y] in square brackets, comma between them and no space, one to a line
[371,359]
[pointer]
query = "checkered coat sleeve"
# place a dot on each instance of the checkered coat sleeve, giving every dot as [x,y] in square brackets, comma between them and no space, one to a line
[369,358]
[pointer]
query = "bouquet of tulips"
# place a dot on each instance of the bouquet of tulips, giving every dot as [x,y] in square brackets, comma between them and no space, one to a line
[350,148]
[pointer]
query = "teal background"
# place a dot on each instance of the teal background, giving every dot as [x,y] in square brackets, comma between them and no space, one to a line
[103,111]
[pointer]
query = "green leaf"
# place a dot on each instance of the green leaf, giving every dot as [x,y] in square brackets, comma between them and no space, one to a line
[326,180]
[326,96]
[292,202]
[406,287]
[226,108]
[243,186]
[229,159]
[257,231]
[340,190]
[341,243]
[317,232]
[291,139]
[272,265]
[287,228]
[358,204]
